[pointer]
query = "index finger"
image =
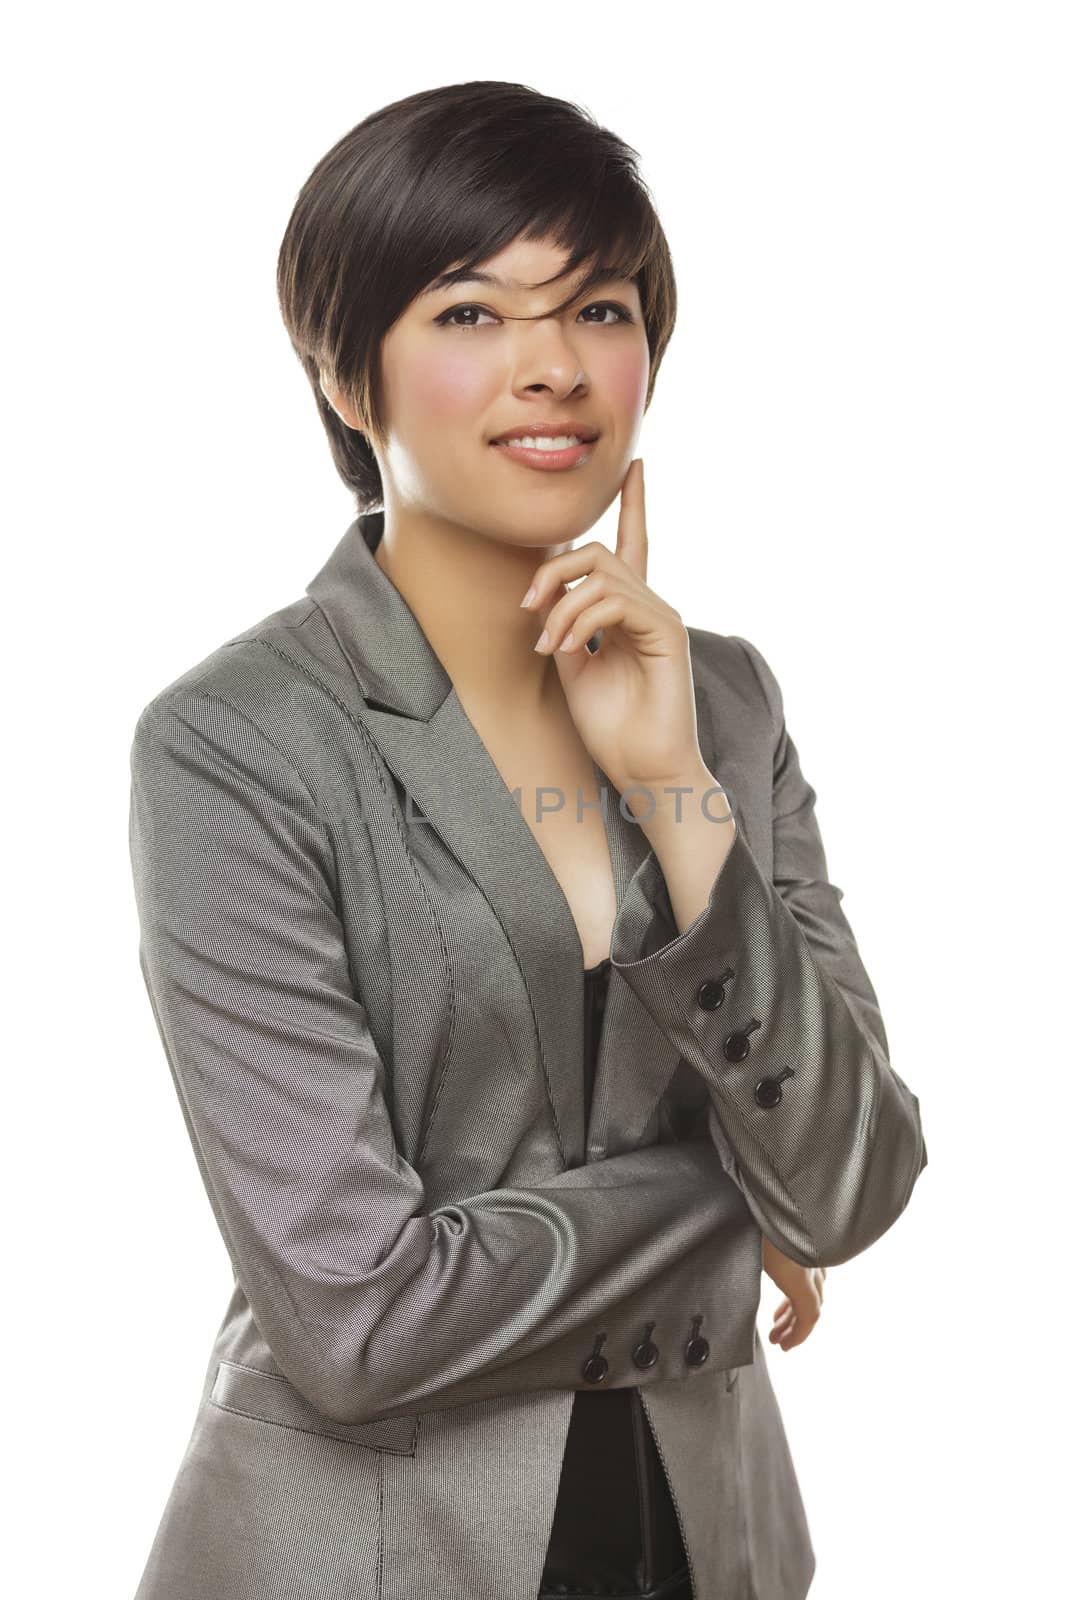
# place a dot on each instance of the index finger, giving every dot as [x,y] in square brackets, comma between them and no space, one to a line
[632,545]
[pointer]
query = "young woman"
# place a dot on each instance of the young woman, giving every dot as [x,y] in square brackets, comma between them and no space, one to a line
[485,916]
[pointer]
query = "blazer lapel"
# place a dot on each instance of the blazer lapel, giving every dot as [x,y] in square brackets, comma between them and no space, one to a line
[395,685]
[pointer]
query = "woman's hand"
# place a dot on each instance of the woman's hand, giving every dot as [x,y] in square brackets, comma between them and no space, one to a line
[633,700]
[796,1316]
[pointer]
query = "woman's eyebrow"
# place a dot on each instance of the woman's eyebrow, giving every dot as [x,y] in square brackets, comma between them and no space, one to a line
[469,275]
[477,275]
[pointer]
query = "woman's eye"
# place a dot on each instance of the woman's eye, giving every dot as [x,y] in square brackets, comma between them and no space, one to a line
[446,317]
[612,305]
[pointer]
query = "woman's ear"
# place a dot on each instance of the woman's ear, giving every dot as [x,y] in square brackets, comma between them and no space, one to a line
[335,398]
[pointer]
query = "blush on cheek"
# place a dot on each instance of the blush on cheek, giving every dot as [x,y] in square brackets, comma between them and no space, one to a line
[626,382]
[451,387]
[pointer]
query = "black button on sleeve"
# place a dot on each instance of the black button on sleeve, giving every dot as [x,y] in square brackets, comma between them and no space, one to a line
[768,1091]
[710,994]
[594,1369]
[696,1352]
[646,1353]
[737,1044]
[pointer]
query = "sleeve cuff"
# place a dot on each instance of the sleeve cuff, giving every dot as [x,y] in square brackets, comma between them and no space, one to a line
[804,1095]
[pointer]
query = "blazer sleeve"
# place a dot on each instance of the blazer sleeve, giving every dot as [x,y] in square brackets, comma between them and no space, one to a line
[765,994]
[372,1305]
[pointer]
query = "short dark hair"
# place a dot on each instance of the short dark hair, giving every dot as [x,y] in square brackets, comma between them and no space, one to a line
[445,177]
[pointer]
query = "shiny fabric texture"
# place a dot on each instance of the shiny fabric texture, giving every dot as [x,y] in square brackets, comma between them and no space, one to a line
[365,977]
[615,1530]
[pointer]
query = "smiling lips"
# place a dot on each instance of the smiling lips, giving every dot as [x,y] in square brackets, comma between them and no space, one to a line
[548,447]
[537,428]
[548,459]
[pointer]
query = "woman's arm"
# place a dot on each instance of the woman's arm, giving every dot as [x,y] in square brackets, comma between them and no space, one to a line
[371,1304]
[763,990]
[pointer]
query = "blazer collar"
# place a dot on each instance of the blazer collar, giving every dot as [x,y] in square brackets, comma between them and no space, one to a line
[392,659]
[396,687]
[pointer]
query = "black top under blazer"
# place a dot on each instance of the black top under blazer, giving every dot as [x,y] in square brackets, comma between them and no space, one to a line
[615,1529]
[367,984]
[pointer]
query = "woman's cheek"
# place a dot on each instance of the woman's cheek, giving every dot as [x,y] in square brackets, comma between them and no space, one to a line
[628,381]
[452,387]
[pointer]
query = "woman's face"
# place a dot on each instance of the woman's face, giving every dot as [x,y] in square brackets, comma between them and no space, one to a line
[458,370]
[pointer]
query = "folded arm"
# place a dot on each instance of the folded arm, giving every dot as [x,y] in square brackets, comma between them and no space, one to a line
[765,994]
[371,1304]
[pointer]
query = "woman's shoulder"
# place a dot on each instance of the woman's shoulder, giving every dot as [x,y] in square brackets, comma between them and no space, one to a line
[263,668]
[730,668]
[267,682]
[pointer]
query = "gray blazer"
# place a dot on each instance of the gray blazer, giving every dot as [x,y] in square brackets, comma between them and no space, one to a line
[368,985]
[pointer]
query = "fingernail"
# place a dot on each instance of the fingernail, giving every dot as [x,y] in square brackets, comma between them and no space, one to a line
[530,596]
[542,642]
[567,642]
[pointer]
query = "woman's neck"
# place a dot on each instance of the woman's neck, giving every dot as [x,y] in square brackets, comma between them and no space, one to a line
[464,591]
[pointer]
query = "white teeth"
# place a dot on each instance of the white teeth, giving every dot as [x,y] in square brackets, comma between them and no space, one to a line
[563,442]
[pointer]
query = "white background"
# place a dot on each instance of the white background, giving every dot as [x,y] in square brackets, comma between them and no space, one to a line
[865,453]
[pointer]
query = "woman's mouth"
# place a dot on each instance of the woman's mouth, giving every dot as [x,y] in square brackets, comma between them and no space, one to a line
[547,455]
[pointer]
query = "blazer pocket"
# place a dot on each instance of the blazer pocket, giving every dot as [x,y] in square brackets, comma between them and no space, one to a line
[270,1398]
